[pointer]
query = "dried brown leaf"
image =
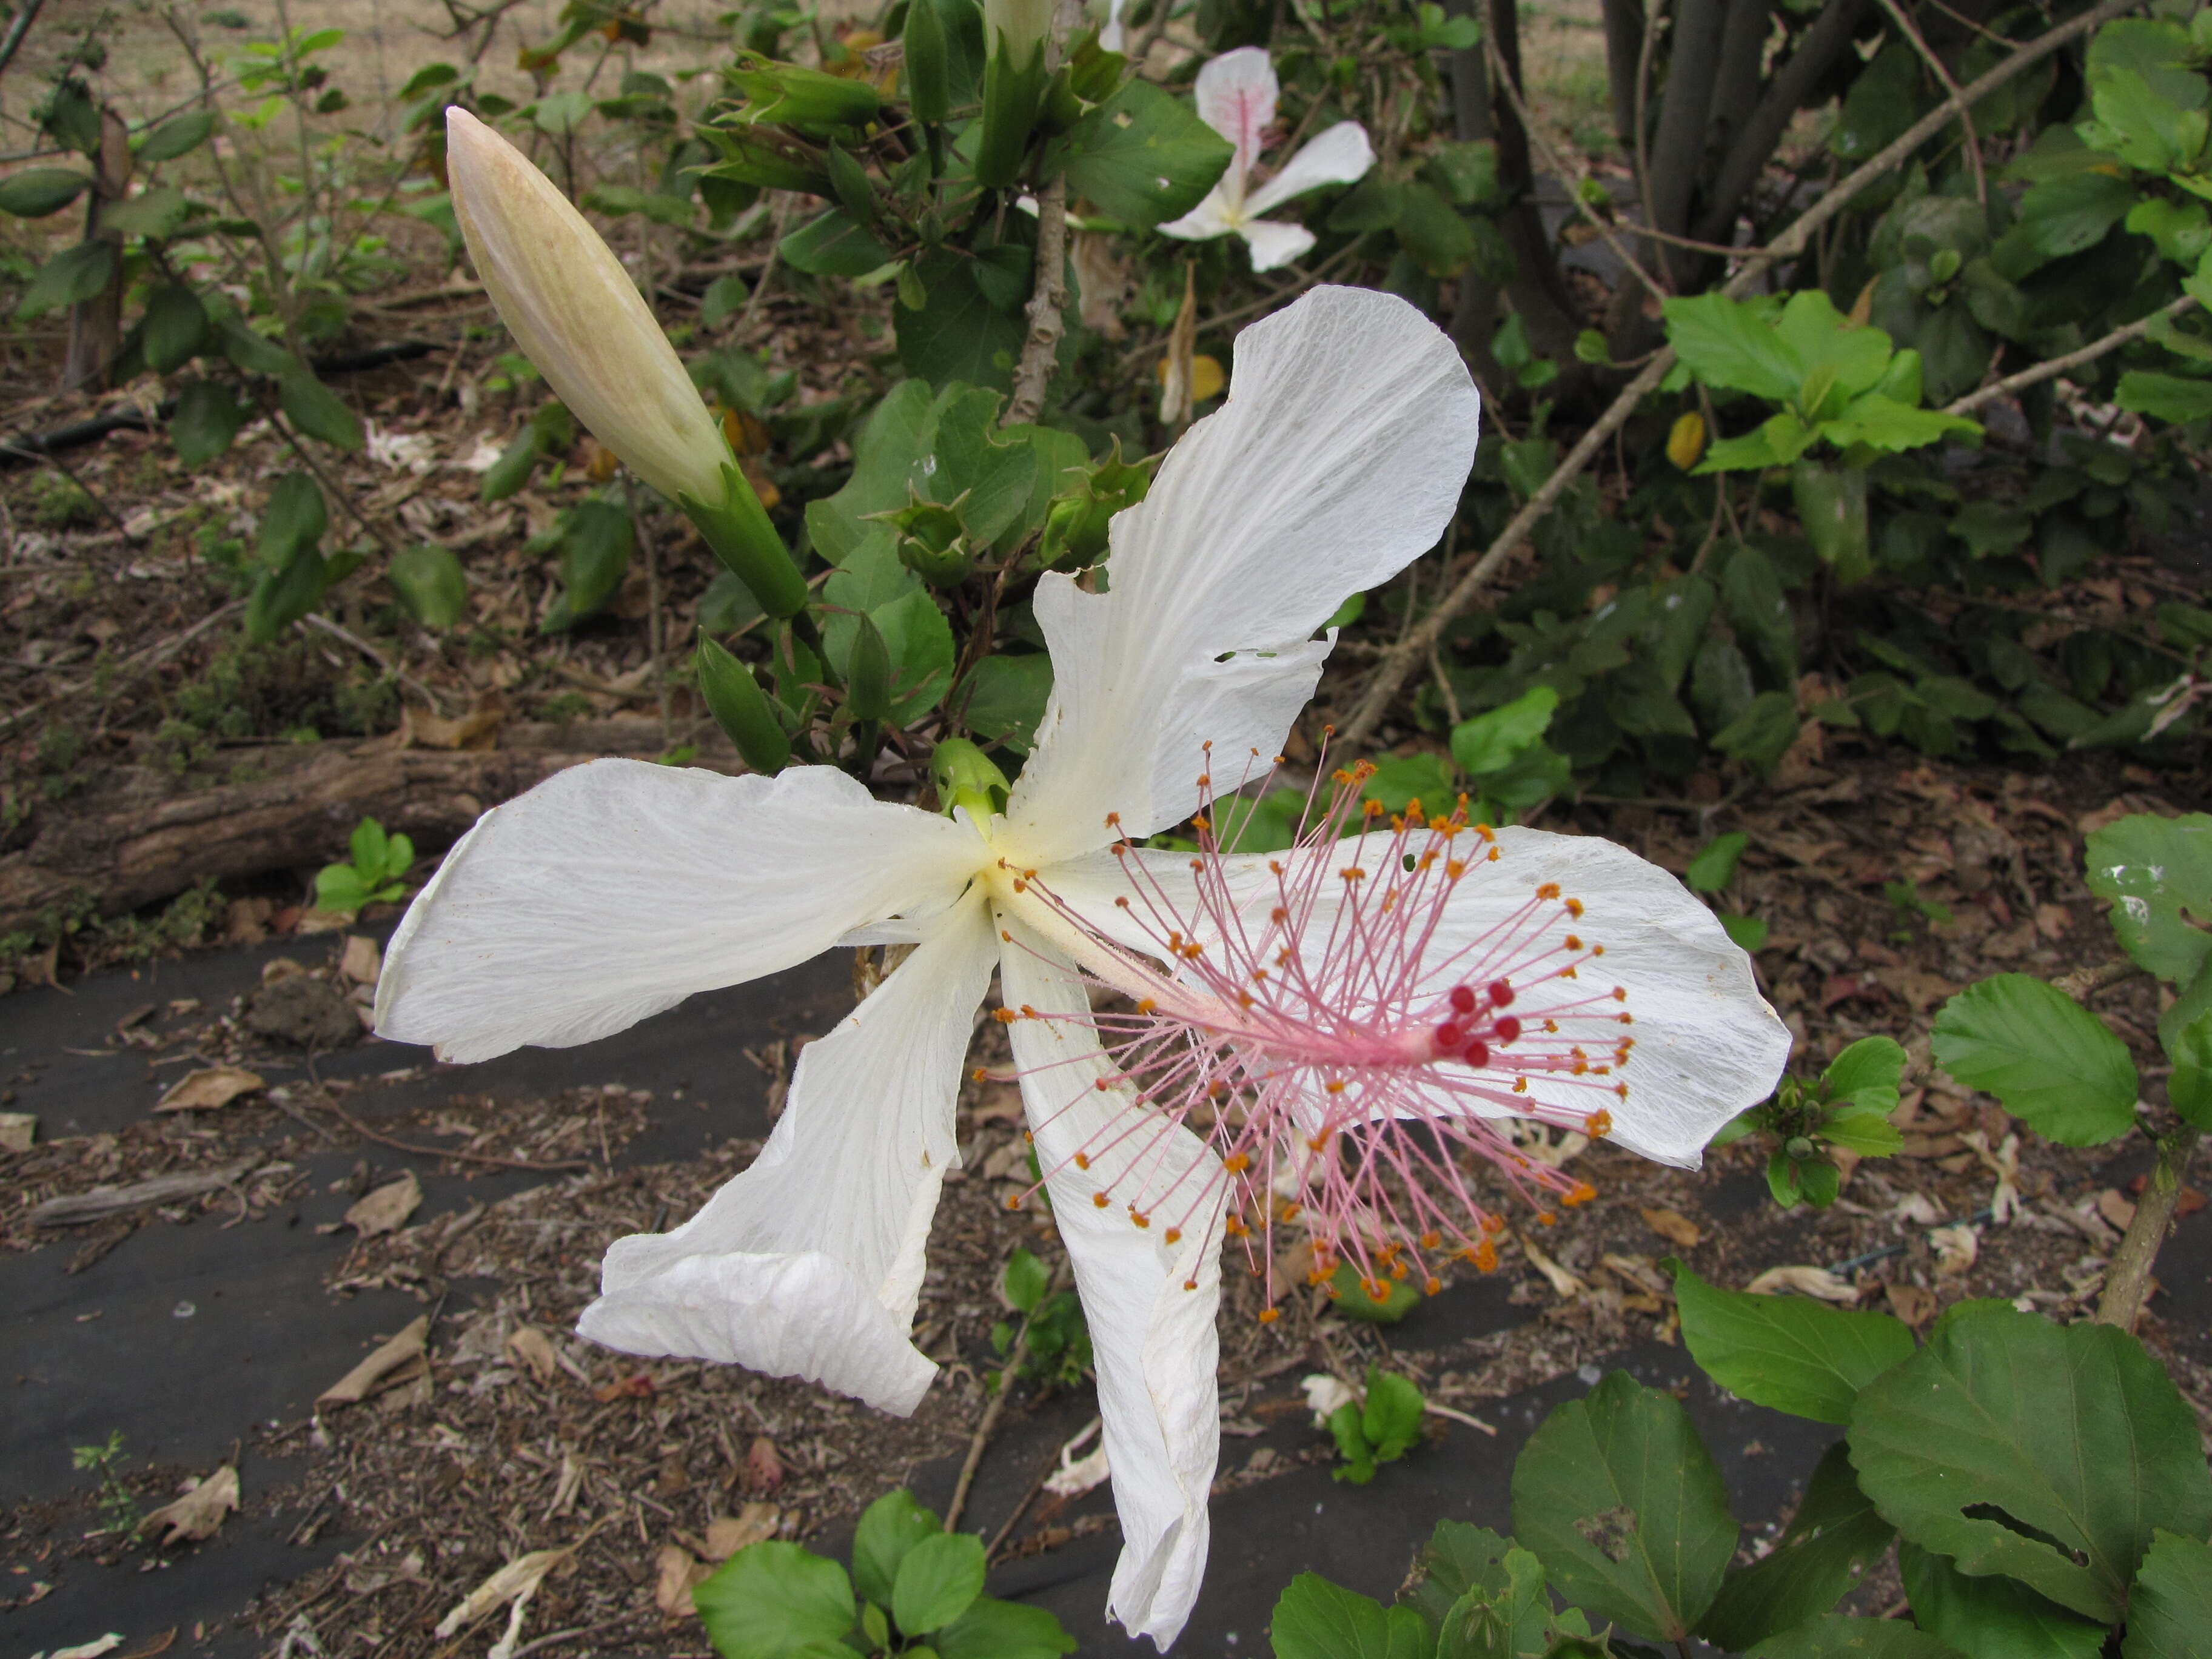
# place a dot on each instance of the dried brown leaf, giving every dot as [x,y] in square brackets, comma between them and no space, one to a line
[205,1089]
[386,1209]
[199,1511]
[1674,1227]
[356,1384]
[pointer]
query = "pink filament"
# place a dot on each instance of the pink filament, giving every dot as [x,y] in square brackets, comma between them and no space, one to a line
[1327,1041]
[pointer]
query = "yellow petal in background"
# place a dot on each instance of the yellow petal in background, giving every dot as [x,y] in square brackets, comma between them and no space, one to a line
[1687,440]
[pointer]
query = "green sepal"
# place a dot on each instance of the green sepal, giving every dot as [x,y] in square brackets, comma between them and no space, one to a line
[746,542]
[795,97]
[868,672]
[1013,94]
[742,709]
[965,776]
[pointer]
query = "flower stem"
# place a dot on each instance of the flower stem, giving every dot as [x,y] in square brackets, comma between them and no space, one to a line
[2127,1281]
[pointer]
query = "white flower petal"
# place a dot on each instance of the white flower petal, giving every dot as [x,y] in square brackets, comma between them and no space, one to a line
[616,889]
[808,1264]
[1111,34]
[1274,244]
[577,315]
[1235,94]
[1337,157]
[1707,1044]
[1153,1341]
[1212,217]
[1337,460]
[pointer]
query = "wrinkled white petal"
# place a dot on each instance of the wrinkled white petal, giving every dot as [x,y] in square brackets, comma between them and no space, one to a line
[1235,94]
[1337,460]
[1707,1044]
[1274,244]
[1111,34]
[577,315]
[1337,157]
[616,889]
[1211,218]
[808,1264]
[1153,1341]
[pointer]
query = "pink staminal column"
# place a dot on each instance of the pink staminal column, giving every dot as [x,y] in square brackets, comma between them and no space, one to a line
[1346,1037]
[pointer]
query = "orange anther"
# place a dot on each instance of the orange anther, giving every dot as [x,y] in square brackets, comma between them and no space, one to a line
[1269,1316]
[1099,1199]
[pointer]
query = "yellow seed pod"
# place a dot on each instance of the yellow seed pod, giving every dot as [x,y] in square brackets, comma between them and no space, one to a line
[1687,440]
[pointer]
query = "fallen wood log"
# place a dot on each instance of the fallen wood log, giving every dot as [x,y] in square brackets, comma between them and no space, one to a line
[135,835]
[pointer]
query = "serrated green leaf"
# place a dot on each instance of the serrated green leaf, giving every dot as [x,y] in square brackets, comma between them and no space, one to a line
[1991,1618]
[2050,1061]
[2047,1453]
[992,1629]
[1144,155]
[2170,1615]
[2157,874]
[777,1601]
[1867,1073]
[1391,1418]
[1835,1636]
[1726,343]
[2189,1088]
[1618,1498]
[1316,1619]
[1790,1353]
[1824,1552]
[889,1527]
[938,1581]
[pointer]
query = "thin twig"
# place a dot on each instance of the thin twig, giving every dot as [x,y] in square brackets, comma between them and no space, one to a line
[146,658]
[997,1407]
[2057,366]
[316,619]
[1966,113]
[17,30]
[1399,663]
[1564,170]
[367,1133]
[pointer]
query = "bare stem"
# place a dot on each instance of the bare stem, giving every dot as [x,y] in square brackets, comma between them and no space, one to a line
[2053,367]
[2127,1281]
[1048,303]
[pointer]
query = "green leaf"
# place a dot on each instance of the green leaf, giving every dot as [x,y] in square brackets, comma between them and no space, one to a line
[155,212]
[1714,866]
[960,334]
[177,135]
[1144,155]
[296,517]
[1467,173]
[1025,1281]
[994,468]
[1391,1419]
[1401,780]
[206,420]
[317,412]
[2157,874]
[1352,1445]
[1780,440]
[71,277]
[2173,398]
[2046,1057]
[1316,1619]
[367,846]
[1789,1353]
[939,1579]
[1726,343]
[835,245]
[1762,734]
[1759,610]
[596,539]
[1620,1500]
[506,476]
[1441,241]
[1457,1558]
[889,1527]
[1991,1618]
[176,327]
[1835,1636]
[429,582]
[992,1629]
[1491,742]
[1882,423]
[254,353]
[1867,1073]
[1834,1537]
[747,717]
[2047,1453]
[1006,698]
[36,191]
[282,597]
[2060,217]
[777,1601]
[2189,1087]
[1746,933]
[1350,1300]
[2170,1615]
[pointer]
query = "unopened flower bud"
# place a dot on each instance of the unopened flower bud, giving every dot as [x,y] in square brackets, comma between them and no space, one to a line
[576,315]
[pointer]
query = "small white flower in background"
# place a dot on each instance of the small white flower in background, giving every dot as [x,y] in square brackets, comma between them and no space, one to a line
[616,889]
[1326,1396]
[1237,96]
[484,456]
[410,452]
[1078,1475]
